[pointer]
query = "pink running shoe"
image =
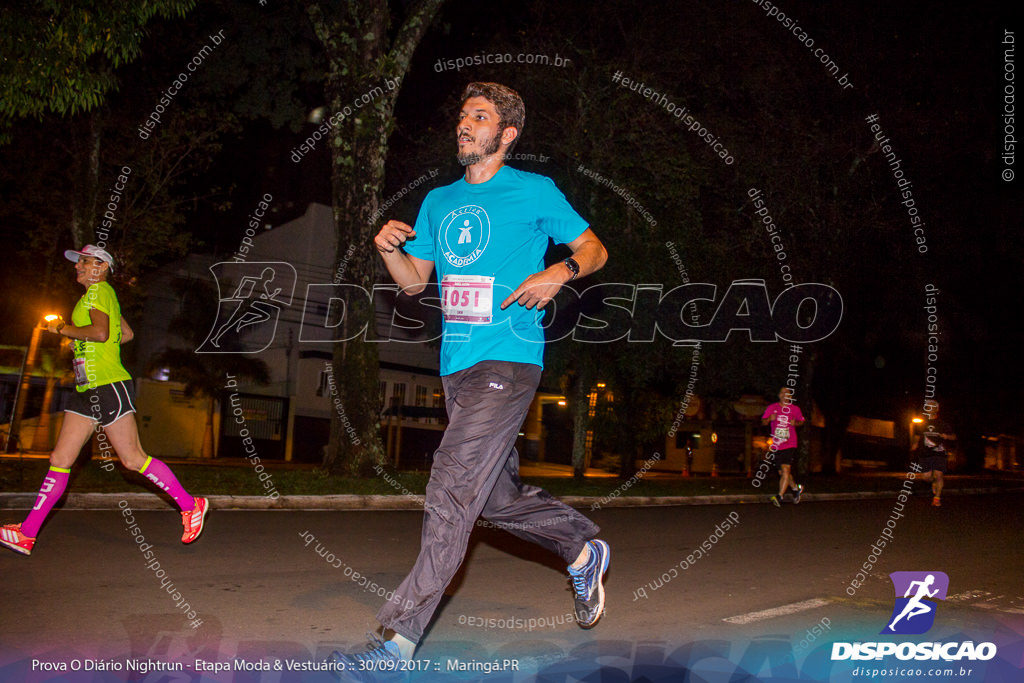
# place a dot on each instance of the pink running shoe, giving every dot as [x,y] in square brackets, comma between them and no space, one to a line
[193,521]
[11,536]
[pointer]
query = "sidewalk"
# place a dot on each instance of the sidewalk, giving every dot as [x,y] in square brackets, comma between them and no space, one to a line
[603,489]
[151,501]
[527,468]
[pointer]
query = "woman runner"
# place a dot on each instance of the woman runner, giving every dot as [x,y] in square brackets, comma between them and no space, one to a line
[104,398]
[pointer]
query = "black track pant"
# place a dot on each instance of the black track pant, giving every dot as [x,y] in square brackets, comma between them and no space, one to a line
[476,473]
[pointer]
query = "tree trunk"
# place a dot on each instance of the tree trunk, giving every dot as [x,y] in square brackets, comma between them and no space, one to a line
[631,448]
[206,452]
[805,398]
[580,423]
[362,62]
[86,148]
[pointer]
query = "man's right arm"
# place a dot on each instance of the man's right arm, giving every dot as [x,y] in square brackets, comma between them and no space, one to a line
[409,272]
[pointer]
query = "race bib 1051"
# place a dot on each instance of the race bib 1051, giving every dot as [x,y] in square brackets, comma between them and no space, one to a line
[467,298]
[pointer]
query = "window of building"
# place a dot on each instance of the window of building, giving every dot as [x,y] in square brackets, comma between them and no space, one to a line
[398,394]
[683,437]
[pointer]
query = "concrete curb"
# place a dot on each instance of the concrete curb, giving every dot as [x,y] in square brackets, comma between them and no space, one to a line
[152,501]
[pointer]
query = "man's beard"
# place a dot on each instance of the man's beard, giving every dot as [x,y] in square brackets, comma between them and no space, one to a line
[470,158]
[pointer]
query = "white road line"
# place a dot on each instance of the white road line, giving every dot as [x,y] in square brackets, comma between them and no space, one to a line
[985,600]
[968,595]
[793,608]
[996,603]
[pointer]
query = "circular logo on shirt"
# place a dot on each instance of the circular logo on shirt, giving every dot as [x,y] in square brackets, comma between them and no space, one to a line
[464,235]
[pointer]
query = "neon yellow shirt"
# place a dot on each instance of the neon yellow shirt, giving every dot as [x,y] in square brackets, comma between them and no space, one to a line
[98,363]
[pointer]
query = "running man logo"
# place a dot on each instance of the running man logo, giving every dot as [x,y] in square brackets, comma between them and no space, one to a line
[914,613]
[247,318]
[466,237]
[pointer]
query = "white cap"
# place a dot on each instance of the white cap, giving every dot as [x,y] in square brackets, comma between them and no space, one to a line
[90,250]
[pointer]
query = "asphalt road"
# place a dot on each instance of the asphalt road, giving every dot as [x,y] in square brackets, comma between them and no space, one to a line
[262,593]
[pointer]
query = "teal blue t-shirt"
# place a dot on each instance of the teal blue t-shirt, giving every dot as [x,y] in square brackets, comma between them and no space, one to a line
[484,240]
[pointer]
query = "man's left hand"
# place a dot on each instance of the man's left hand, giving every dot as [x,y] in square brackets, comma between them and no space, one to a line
[540,288]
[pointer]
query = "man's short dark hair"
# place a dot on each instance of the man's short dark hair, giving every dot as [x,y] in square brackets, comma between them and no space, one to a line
[506,101]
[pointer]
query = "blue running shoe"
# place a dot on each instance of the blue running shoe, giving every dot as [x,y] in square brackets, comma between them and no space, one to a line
[588,584]
[382,663]
[797,493]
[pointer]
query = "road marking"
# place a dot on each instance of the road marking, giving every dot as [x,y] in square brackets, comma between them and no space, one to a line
[751,617]
[986,600]
[968,595]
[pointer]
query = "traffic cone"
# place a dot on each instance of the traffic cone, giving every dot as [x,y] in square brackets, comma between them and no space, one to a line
[714,469]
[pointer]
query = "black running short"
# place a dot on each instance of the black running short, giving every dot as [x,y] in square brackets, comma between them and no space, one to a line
[785,457]
[105,404]
[935,462]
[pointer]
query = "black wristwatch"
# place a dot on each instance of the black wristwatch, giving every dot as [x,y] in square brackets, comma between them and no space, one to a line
[573,267]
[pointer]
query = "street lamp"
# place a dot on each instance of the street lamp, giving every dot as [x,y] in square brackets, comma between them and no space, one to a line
[914,421]
[23,383]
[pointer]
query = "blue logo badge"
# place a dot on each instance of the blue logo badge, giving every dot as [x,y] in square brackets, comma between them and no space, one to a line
[916,593]
[464,235]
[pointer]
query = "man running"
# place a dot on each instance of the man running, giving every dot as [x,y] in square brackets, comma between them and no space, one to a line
[486,234]
[249,310]
[785,417]
[104,398]
[930,447]
[915,606]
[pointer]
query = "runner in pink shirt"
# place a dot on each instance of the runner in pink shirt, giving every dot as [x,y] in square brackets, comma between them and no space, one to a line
[785,417]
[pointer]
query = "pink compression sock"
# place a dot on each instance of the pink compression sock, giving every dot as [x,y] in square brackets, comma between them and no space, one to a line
[161,475]
[54,484]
